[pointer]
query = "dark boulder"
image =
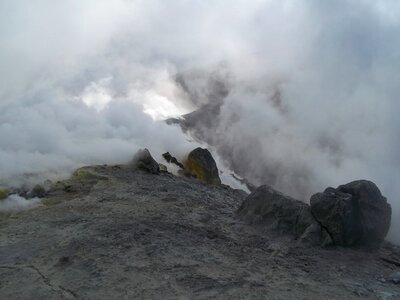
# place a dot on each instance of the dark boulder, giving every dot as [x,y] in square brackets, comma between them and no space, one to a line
[145,162]
[354,214]
[282,213]
[201,164]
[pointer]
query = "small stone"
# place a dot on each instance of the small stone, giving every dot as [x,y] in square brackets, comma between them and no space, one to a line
[163,168]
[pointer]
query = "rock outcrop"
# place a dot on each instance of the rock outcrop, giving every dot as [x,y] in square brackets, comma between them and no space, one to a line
[172,160]
[280,212]
[354,214]
[145,162]
[201,164]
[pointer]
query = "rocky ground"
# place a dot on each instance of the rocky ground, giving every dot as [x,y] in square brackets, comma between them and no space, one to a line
[113,233]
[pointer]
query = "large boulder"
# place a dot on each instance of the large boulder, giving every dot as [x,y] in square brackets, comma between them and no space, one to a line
[282,213]
[145,162]
[354,214]
[201,164]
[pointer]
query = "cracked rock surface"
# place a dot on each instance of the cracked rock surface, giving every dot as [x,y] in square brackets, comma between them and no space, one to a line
[126,234]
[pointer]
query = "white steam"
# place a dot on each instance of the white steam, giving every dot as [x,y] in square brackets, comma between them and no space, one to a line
[15,203]
[313,87]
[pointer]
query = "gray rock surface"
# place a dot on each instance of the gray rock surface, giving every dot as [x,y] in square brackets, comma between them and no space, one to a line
[120,233]
[354,214]
[280,212]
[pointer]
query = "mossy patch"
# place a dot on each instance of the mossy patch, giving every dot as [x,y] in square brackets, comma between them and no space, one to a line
[38,191]
[4,192]
[201,165]
[80,180]
[85,174]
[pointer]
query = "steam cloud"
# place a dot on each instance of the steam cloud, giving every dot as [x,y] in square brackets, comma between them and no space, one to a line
[311,87]
[16,202]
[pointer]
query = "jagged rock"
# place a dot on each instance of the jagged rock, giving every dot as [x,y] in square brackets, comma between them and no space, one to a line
[171,159]
[202,165]
[355,214]
[283,213]
[244,181]
[144,161]
[4,192]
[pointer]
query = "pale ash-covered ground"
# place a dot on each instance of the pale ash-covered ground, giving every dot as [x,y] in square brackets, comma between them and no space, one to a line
[114,233]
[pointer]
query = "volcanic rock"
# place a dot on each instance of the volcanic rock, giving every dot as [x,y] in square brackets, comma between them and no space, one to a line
[202,165]
[354,214]
[145,162]
[280,212]
[171,159]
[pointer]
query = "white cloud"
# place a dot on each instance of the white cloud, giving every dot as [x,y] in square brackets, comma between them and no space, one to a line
[97,94]
[15,203]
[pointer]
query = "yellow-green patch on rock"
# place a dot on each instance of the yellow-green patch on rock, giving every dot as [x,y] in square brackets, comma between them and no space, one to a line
[38,191]
[4,192]
[201,164]
[86,174]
